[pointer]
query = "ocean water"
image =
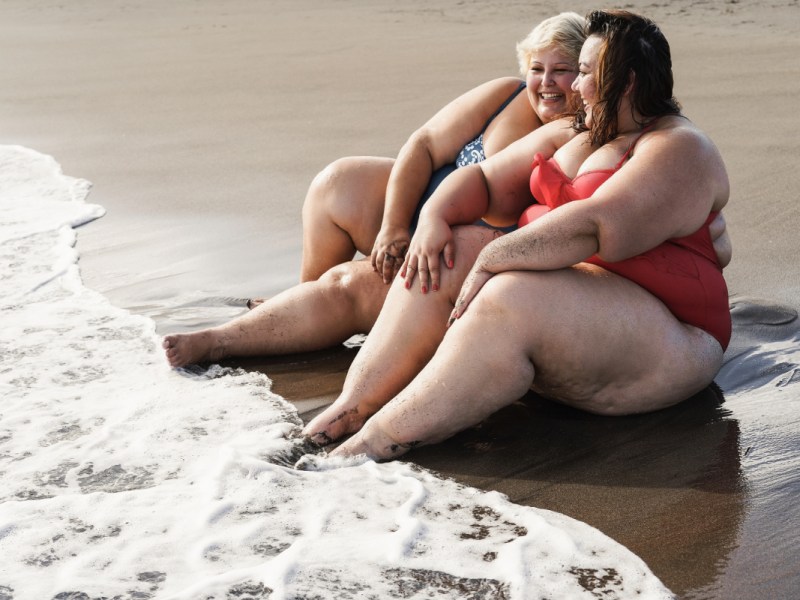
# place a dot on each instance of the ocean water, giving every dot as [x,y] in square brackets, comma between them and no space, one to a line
[122,478]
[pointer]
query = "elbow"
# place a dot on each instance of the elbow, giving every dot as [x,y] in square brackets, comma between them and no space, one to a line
[613,251]
[610,244]
[420,142]
[607,253]
[617,244]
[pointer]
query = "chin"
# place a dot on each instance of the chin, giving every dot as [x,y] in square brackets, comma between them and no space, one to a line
[549,112]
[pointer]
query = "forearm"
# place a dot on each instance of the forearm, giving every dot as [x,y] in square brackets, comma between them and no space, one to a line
[407,183]
[557,240]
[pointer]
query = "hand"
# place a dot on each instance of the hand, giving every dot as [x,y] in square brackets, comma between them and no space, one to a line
[475,280]
[432,239]
[389,250]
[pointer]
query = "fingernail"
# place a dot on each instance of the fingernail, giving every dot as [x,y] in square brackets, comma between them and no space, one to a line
[408,284]
[424,289]
[450,263]
[435,288]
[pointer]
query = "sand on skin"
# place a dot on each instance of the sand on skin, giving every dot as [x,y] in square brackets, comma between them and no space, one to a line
[201,126]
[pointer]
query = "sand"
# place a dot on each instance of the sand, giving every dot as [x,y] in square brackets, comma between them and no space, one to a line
[201,124]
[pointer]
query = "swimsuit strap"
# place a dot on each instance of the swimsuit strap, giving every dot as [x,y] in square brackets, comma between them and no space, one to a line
[633,144]
[508,100]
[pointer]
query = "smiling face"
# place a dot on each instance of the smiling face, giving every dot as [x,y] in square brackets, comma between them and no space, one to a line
[549,83]
[585,83]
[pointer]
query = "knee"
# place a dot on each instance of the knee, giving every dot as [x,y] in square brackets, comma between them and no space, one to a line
[504,296]
[355,287]
[521,304]
[347,282]
[338,280]
[322,192]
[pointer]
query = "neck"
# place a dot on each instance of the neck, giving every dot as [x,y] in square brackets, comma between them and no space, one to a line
[628,120]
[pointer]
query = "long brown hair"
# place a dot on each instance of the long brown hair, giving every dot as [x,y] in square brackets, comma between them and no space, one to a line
[634,51]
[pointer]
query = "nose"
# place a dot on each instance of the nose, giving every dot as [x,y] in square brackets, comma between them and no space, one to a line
[547,77]
[574,86]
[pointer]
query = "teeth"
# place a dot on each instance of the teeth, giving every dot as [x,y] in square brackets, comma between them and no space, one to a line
[550,96]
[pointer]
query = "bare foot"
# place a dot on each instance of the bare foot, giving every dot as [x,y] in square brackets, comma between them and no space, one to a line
[334,422]
[189,348]
[375,442]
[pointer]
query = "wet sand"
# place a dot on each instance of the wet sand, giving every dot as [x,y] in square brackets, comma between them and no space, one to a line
[201,125]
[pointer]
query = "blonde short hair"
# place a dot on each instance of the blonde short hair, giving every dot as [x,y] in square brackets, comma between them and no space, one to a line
[565,32]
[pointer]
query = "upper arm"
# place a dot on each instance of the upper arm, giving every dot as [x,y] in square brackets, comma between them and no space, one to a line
[508,172]
[461,120]
[666,190]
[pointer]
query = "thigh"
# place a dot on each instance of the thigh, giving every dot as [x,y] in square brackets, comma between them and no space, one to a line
[360,196]
[600,342]
[468,241]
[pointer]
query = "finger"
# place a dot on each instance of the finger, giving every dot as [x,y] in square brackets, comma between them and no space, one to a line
[424,275]
[409,271]
[398,250]
[373,258]
[452,319]
[472,285]
[402,249]
[388,267]
[433,270]
[468,292]
[449,254]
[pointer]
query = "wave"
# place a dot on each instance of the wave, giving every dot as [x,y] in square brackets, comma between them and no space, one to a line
[124,478]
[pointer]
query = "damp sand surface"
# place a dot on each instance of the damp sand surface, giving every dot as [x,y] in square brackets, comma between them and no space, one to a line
[200,127]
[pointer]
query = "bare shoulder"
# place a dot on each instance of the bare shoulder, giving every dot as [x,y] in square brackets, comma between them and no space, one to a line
[483,98]
[681,135]
[501,86]
[686,150]
[511,83]
[462,119]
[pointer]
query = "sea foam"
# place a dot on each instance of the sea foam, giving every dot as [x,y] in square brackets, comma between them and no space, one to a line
[123,478]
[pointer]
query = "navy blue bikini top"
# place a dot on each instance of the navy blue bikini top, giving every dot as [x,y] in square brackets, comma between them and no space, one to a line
[473,151]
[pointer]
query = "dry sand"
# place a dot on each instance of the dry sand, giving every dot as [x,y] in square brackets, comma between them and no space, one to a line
[201,124]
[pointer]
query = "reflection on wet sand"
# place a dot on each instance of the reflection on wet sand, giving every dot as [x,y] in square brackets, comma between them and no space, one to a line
[699,491]
[666,485]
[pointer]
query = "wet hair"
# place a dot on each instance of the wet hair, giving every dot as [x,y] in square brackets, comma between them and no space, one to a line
[636,52]
[565,32]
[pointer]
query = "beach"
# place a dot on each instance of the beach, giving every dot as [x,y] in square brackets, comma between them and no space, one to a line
[200,126]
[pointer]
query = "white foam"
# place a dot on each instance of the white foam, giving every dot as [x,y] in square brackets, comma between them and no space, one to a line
[124,478]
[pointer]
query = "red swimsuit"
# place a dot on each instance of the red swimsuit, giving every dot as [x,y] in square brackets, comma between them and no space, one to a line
[683,273]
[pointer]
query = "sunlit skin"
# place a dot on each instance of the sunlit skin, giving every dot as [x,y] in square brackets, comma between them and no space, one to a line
[365,204]
[526,317]
[349,297]
[549,84]
[336,302]
[585,84]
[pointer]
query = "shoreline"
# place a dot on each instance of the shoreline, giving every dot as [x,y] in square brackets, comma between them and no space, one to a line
[200,128]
